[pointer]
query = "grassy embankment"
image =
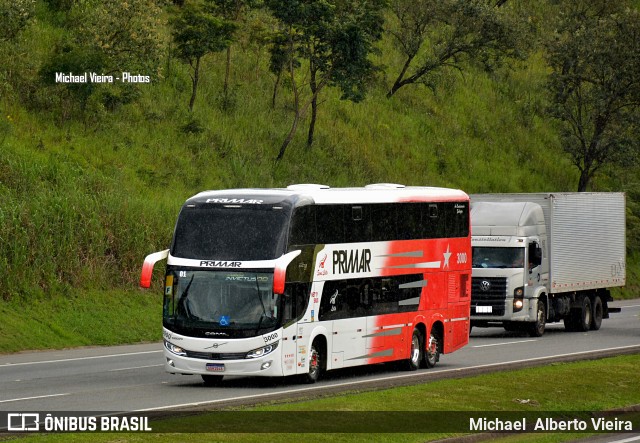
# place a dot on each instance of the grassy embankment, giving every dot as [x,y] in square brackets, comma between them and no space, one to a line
[82,201]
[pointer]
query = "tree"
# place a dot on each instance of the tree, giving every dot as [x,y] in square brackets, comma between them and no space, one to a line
[198,33]
[333,40]
[127,34]
[14,17]
[231,11]
[103,37]
[436,34]
[595,84]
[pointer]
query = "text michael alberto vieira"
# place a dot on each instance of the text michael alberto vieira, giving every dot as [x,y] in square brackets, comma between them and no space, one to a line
[598,424]
[94,77]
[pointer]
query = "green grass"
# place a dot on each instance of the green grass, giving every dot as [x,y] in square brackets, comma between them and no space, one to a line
[580,386]
[80,318]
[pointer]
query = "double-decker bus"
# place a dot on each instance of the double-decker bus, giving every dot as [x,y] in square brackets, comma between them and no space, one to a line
[277,282]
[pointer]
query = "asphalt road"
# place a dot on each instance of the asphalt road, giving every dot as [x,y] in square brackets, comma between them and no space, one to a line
[132,378]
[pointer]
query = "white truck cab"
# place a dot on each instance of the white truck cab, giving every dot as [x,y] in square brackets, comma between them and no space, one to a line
[539,258]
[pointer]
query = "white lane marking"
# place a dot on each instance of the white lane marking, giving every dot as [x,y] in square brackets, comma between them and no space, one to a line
[6,365]
[34,398]
[136,367]
[353,383]
[627,440]
[631,306]
[505,343]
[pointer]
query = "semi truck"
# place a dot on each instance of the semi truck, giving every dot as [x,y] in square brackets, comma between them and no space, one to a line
[546,257]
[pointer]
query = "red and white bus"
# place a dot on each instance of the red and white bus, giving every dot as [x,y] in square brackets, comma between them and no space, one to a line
[277,282]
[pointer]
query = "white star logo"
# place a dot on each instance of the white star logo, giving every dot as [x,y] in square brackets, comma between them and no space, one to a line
[447,255]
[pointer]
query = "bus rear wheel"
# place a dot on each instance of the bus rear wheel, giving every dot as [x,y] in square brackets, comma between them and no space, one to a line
[416,352]
[432,354]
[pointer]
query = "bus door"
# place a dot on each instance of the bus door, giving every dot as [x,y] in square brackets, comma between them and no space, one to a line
[340,305]
[296,300]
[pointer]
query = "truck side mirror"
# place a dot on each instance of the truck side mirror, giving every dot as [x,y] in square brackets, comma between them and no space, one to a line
[535,255]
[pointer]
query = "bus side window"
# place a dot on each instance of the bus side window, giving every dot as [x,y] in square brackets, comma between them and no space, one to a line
[332,304]
[383,222]
[330,224]
[303,226]
[296,298]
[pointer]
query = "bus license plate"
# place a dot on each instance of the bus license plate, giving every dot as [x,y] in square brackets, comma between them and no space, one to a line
[215,367]
[484,309]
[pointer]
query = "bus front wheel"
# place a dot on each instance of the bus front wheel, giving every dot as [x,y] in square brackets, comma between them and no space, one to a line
[317,361]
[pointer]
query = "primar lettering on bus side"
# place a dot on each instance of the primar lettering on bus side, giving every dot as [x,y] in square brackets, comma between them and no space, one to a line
[221,264]
[351,261]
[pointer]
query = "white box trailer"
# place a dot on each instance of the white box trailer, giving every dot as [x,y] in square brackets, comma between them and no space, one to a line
[546,257]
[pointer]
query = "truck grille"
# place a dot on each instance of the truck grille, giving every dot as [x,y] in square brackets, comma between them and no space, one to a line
[488,291]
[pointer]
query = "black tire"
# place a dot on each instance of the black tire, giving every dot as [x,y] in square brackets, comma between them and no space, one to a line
[583,321]
[432,352]
[317,363]
[211,380]
[417,351]
[596,313]
[536,329]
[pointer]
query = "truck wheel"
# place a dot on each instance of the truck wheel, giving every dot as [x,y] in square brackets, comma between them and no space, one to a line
[536,329]
[432,354]
[583,322]
[596,314]
[417,350]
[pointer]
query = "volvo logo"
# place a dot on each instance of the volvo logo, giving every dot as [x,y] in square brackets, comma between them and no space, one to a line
[485,285]
[215,345]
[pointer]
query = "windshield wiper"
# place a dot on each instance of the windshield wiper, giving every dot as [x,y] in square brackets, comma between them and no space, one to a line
[264,311]
[183,298]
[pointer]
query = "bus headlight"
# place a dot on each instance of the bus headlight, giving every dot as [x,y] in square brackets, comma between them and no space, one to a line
[260,352]
[175,349]
[518,299]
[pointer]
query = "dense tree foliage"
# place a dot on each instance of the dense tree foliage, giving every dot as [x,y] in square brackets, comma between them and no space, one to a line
[233,11]
[595,84]
[435,34]
[312,45]
[198,33]
[335,41]
[14,16]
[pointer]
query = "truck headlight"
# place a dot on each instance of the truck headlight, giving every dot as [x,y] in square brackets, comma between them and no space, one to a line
[518,299]
[261,352]
[175,349]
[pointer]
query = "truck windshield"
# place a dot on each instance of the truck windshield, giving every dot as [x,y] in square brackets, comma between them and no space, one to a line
[231,232]
[216,303]
[492,257]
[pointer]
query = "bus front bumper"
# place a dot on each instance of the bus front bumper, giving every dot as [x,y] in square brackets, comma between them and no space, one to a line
[268,365]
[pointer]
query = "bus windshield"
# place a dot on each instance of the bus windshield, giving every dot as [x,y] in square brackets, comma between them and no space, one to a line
[210,303]
[492,257]
[231,232]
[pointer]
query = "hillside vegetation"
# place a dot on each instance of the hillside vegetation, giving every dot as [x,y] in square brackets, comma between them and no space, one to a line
[91,182]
